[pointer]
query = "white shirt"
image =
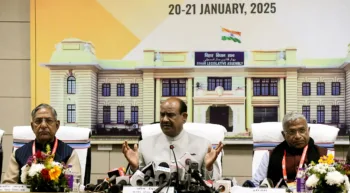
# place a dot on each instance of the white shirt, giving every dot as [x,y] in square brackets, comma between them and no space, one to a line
[157,149]
[261,172]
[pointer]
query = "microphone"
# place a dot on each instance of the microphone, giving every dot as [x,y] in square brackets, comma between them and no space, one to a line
[179,170]
[137,179]
[177,167]
[104,184]
[162,172]
[122,180]
[148,170]
[223,186]
[113,174]
[150,182]
[196,175]
[266,183]
[115,189]
[188,162]
[248,184]
[116,172]
[90,187]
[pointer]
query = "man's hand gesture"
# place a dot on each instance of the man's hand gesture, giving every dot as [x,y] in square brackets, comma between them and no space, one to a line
[211,156]
[132,155]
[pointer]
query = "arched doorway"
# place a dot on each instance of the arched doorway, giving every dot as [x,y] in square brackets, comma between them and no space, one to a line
[219,115]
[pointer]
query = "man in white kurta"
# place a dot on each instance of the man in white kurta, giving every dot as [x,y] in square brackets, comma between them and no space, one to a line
[157,148]
[173,115]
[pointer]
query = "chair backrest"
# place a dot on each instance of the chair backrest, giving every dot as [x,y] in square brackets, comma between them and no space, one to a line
[267,136]
[213,132]
[76,137]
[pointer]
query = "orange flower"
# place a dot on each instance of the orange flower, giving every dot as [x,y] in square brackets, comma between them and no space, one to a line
[55,172]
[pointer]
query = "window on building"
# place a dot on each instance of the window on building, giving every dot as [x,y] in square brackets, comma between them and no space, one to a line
[225,82]
[174,87]
[320,88]
[134,114]
[265,114]
[134,89]
[306,113]
[120,89]
[120,115]
[106,89]
[306,86]
[71,85]
[320,114]
[265,87]
[335,88]
[335,114]
[106,114]
[71,112]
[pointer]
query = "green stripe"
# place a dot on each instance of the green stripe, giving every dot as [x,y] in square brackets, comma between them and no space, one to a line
[230,38]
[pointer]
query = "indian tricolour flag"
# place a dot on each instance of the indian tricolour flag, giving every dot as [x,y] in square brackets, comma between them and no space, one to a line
[231,35]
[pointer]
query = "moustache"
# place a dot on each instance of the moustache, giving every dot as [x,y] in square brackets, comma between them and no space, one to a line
[44,131]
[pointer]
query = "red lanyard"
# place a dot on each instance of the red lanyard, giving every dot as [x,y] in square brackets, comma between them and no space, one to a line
[301,163]
[53,150]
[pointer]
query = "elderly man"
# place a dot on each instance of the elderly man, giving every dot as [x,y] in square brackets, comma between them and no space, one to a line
[173,115]
[297,149]
[44,125]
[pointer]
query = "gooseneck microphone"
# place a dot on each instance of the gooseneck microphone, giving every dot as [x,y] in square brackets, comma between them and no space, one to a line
[177,167]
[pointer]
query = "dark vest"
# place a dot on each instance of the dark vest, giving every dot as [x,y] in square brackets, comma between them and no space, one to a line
[293,156]
[22,154]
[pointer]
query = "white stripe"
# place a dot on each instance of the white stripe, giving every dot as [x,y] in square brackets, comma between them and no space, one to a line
[226,34]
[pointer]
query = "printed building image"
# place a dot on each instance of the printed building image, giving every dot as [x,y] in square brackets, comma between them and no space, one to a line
[234,89]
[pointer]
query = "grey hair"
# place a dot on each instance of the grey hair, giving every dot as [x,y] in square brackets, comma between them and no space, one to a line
[44,106]
[291,117]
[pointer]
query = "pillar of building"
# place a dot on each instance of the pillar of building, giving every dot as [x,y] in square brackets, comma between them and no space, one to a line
[249,106]
[281,99]
[148,98]
[158,91]
[291,91]
[189,100]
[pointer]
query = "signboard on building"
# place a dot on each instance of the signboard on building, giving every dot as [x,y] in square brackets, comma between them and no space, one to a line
[219,58]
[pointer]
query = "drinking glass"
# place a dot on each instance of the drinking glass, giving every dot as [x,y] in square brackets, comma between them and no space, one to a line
[76,182]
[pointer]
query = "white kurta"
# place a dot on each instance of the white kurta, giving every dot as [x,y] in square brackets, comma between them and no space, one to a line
[157,149]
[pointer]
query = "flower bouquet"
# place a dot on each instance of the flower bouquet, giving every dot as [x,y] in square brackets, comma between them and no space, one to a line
[329,175]
[42,174]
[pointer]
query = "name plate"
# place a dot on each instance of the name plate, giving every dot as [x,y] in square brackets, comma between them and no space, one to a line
[238,189]
[13,188]
[146,189]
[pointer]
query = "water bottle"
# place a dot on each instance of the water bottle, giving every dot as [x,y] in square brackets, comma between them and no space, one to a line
[301,182]
[70,177]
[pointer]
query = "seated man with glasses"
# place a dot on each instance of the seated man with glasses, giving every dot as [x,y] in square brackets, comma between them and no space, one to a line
[45,125]
[295,151]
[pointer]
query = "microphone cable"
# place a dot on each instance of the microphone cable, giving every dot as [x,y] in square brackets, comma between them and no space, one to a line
[101,185]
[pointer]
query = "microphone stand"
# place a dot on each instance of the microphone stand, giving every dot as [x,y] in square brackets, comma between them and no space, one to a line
[196,176]
[177,168]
